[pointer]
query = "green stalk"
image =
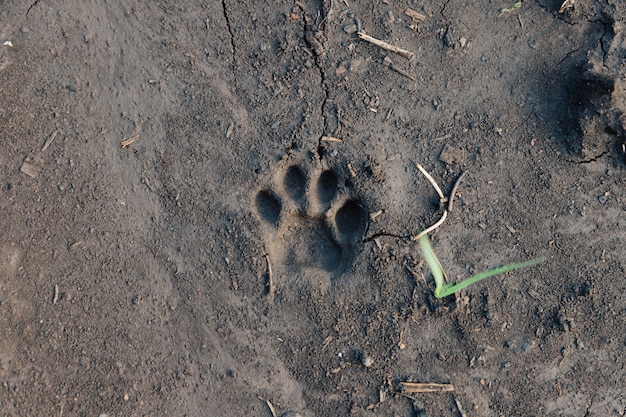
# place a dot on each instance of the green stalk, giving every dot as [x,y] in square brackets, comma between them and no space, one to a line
[444,290]
[432,261]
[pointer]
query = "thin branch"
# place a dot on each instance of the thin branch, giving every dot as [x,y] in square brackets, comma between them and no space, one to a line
[385,45]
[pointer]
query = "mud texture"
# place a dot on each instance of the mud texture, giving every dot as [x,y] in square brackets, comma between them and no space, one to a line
[207,209]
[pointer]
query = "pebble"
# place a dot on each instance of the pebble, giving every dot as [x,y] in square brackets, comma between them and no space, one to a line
[350,29]
[368,361]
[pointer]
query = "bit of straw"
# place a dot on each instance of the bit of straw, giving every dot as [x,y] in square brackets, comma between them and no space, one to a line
[414,387]
[269,405]
[431,228]
[432,181]
[442,201]
[126,143]
[385,45]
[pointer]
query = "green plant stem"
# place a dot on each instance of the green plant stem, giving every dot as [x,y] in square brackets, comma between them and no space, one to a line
[432,261]
[450,289]
[444,290]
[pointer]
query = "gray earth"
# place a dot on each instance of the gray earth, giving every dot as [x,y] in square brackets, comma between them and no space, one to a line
[207,210]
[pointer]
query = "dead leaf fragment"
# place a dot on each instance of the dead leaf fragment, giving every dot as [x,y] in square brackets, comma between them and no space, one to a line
[451,155]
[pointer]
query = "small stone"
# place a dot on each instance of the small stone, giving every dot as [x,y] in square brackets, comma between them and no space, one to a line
[350,29]
[29,169]
[368,361]
[602,199]
[341,69]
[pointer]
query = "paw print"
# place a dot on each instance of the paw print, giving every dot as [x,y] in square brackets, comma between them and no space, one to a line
[313,225]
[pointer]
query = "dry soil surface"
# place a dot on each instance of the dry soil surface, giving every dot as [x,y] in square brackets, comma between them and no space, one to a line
[207,209]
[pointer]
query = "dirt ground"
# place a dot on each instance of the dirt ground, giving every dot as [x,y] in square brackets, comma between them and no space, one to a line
[207,210]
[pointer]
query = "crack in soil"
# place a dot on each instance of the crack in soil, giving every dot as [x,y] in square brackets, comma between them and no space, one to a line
[587,161]
[230,32]
[443,8]
[324,86]
[31,6]
[554,13]
[310,39]
[605,39]
[384,234]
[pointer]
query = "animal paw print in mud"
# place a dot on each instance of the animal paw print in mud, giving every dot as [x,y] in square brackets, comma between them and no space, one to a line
[313,225]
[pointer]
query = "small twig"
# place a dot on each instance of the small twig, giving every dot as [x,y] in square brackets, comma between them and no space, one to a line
[418,17]
[388,62]
[458,405]
[126,143]
[55,298]
[454,187]
[270,280]
[414,387]
[49,141]
[269,405]
[431,228]
[432,181]
[331,139]
[385,45]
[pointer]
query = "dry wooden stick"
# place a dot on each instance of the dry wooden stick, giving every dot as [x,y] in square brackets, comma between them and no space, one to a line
[415,15]
[55,298]
[458,405]
[269,405]
[387,61]
[49,140]
[415,387]
[126,143]
[331,139]
[270,280]
[385,45]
